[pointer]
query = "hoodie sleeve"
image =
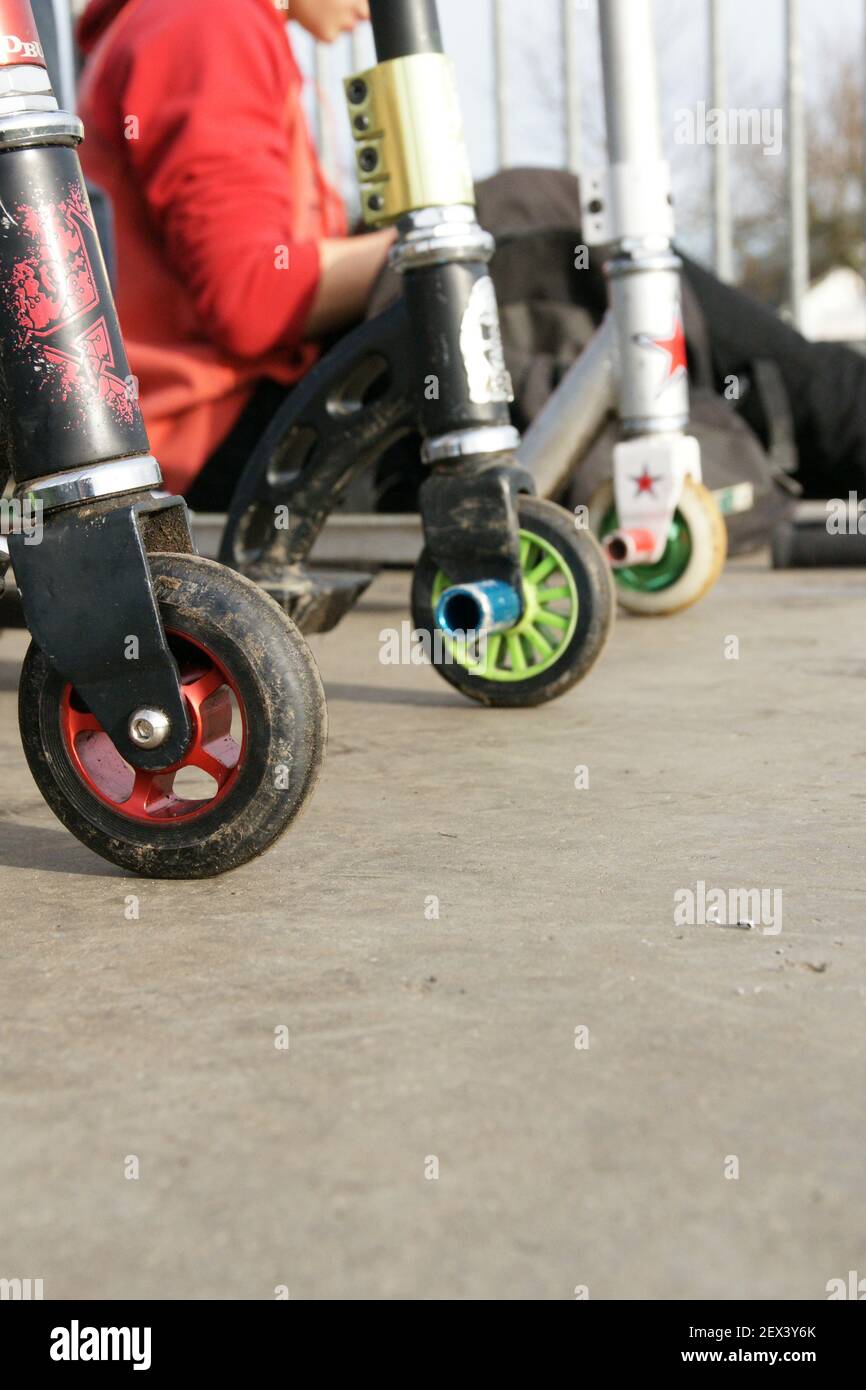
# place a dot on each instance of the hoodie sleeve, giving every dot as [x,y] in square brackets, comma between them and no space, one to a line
[213,159]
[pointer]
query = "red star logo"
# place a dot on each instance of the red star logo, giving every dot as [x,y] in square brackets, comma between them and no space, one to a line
[674,348]
[645,482]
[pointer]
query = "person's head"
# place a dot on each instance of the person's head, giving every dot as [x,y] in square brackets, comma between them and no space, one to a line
[326,20]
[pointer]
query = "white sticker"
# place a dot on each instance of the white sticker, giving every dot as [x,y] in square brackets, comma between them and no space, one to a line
[481,347]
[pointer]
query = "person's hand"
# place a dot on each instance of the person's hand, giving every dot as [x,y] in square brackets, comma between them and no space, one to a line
[349,269]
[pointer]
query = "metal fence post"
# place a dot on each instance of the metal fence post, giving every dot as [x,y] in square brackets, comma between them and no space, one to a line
[798,187]
[324,131]
[359,50]
[863,176]
[573,110]
[501,80]
[723,247]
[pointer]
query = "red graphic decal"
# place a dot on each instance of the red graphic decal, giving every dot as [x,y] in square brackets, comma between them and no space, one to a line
[90,368]
[54,286]
[19,37]
[674,348]
[645,483]
[55,283]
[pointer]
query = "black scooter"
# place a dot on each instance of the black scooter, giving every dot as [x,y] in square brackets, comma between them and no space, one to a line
[171,714]
[514,601]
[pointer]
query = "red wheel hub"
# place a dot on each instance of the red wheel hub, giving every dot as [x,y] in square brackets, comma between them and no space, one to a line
[214,706]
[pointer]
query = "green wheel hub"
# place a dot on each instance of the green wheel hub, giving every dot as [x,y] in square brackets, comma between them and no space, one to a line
[544,632]
[651,579]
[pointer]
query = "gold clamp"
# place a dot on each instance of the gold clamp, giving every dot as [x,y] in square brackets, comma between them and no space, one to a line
[410,143]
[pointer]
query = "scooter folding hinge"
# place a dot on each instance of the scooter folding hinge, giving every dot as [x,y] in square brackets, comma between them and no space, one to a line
[648,477]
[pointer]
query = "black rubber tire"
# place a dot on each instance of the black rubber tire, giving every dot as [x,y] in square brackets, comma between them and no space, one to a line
[278,681]
[597,606]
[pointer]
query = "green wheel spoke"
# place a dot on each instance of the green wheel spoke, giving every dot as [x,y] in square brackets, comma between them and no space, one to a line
[535,639]
[494,645]
[515,651]
[542,570]
[553,620]
[463,652]
[534,644]
[546,596]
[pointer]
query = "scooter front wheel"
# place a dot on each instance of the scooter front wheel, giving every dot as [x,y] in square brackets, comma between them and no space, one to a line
[257,713]
[693,560]
[568,612]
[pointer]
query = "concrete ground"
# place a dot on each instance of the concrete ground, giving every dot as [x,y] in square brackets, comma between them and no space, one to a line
[604,1160]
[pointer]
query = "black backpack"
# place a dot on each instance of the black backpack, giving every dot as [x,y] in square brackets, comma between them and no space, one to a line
[550,309]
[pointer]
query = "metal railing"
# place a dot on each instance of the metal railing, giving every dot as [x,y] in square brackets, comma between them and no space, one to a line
[798,177]
[328,66]
[571,55]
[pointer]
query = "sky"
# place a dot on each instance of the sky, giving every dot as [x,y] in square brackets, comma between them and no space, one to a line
[755,35]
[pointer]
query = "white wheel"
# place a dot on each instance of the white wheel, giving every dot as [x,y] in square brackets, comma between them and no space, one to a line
[693,560]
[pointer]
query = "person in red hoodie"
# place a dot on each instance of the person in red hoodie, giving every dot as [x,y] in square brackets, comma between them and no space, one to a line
[233,257]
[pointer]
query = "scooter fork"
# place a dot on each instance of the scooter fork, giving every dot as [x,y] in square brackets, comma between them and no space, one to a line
[141,666]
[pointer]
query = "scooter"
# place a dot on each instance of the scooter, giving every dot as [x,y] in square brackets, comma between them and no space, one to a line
[662,530]
[171,714]
[515,602]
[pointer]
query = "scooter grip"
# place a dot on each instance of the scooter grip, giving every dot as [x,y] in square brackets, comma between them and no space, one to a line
[19,36]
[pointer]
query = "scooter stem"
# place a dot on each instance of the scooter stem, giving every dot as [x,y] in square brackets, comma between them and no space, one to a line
[409,27]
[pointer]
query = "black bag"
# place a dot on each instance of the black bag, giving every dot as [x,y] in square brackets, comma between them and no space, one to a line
[550,308]
[799,422]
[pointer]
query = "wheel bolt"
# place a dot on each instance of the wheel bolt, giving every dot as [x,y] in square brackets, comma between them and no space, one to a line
[149,728]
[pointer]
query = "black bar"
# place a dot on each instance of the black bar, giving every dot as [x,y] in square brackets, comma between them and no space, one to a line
[809,545]
[404,27]
[59,1340]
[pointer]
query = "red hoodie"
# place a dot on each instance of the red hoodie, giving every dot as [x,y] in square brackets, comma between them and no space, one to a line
[196,130]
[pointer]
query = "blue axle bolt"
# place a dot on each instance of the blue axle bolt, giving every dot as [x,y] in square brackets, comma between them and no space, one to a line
[487,606]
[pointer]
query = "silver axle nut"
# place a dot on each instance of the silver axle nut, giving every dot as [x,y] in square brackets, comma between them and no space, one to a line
[149,728]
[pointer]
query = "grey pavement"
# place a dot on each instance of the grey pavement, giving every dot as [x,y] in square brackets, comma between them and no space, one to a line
[552,1085]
